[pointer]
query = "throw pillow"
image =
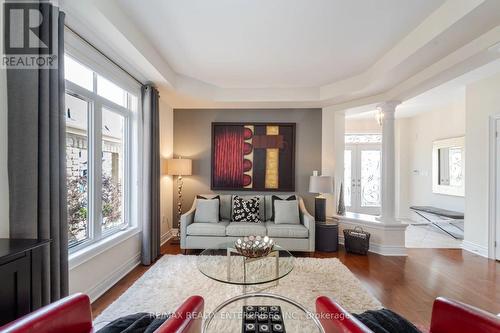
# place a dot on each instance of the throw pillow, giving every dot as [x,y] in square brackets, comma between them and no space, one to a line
[139,322]
[386,321]
[246,210]
[217,197]
[207,211]
[274,198]
[287,212]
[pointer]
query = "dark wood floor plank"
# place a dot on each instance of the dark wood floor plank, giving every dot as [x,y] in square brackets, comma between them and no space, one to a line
[407,285]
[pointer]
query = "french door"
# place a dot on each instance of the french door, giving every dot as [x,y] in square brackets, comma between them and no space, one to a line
[362,166]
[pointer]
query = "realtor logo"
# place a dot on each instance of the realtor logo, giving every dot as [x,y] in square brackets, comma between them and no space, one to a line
[29,35]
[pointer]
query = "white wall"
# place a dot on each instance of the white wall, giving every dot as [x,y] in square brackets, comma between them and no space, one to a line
[95,276]
[166,151]
[416,136]
[403,168]
[332,153]
[482,101]
[364,125]
[4,184]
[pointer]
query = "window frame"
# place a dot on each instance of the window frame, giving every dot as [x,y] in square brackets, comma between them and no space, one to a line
[132,140]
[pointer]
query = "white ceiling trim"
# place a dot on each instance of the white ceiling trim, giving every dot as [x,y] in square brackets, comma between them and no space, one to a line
[434,25]
[106,25]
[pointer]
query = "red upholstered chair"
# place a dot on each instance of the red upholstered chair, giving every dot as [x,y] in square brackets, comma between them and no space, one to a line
[336,319]
[70,314]
[187,319]
[450,316]
[73,314]
[447,317]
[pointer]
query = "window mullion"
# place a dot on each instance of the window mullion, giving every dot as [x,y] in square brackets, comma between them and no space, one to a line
[127,171]
[97,166]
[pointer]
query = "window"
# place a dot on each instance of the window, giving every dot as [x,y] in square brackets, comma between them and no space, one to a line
[363,138]
[112,169]
[99,118]
[77,73]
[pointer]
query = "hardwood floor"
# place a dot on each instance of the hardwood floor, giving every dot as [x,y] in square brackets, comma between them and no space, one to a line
[407,285]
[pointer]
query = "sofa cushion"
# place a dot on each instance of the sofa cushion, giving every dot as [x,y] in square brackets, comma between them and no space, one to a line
[246,210]
[207,211]
[217,197]
[262,204]
[286,212]
[286,230]
[273,200]
[225,204]
[240,229]
[207,229]
[269,203]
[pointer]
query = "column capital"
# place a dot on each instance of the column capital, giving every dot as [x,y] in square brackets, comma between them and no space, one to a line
[389,106]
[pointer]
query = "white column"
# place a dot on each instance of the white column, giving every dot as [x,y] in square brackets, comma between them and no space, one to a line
[388,186]
[332,153]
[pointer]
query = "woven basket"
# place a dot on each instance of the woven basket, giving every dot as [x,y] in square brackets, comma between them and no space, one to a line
[356,240]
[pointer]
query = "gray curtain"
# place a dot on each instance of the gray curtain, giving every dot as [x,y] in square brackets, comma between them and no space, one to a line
[37,161]
[151,175]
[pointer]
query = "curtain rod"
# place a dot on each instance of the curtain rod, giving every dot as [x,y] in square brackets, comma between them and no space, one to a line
[104,55]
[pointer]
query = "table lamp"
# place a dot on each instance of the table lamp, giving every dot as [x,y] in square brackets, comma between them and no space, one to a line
[320,184]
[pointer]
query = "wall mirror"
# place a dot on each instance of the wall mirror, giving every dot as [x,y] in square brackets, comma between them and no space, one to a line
[448,166]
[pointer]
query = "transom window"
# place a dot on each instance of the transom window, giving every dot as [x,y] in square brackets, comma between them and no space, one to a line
[363,138]
[99,116]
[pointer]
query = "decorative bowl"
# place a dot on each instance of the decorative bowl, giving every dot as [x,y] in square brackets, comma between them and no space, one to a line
[254,246]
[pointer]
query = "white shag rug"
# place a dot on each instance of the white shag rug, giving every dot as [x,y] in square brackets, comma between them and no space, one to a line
[173,278]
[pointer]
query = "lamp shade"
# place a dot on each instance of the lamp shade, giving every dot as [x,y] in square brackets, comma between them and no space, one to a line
[320,184]
[179,167]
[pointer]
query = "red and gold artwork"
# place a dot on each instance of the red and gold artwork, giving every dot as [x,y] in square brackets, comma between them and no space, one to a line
[253,156]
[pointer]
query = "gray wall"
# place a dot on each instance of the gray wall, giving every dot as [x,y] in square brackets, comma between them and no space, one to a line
[192,139]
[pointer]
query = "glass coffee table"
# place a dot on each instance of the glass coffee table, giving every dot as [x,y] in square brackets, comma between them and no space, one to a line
[225,265]
[234,315]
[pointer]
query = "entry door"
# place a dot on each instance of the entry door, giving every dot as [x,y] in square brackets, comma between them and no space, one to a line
[362,178]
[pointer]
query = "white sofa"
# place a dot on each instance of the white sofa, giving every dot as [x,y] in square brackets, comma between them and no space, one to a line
[292,237]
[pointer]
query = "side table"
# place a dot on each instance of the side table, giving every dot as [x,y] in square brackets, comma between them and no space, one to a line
[327,236]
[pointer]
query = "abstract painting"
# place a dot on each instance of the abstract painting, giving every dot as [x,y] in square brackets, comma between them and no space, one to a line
[253,156]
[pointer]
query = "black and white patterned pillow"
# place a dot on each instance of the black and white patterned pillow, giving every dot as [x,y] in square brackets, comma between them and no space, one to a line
[246,210]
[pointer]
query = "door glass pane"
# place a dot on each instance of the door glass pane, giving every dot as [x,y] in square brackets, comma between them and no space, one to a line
[370,178]
[347,177]
[111,91]
[77,168]
[112,169]
[78,74]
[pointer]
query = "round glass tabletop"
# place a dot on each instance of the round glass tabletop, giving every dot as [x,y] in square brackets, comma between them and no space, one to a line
[225,264]
[261,312]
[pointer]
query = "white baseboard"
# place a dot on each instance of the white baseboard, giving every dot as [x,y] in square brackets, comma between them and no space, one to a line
[475,248]
[385,250]
[166,236]
[100,288]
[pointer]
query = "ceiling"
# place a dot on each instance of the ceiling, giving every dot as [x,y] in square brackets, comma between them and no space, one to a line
[290,53]
[449,93]
[278,43]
